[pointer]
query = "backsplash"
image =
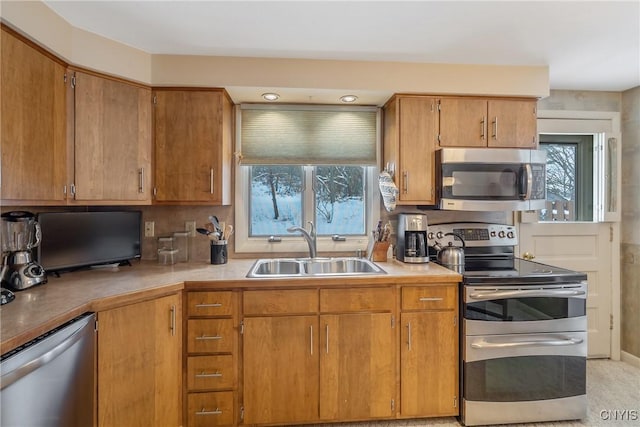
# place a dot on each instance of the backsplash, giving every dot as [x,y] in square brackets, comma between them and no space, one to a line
[168,219]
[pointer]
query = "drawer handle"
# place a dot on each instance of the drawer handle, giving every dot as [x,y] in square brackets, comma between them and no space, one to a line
[216,411]
[430,299]
[204,375]
[208,337]
[208,305]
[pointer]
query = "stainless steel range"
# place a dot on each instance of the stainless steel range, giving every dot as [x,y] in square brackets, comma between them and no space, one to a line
[524,331]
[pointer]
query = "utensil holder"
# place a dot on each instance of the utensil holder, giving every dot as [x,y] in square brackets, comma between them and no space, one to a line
[219,252]
[380,251]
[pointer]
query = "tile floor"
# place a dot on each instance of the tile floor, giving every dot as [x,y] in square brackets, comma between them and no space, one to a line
[610,386]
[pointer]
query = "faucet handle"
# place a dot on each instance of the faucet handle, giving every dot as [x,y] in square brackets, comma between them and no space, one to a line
[312,229]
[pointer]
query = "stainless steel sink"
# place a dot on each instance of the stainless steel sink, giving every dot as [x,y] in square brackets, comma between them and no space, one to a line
[273,267]
[313,267]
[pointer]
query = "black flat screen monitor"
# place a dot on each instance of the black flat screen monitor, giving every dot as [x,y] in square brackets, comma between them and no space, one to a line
[78,239]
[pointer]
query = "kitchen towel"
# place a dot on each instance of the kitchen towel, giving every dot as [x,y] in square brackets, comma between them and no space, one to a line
[388,190]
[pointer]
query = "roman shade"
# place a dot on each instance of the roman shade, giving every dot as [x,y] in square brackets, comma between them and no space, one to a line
[308,135]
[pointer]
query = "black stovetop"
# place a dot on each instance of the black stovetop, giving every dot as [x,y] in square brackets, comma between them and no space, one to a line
[502,270]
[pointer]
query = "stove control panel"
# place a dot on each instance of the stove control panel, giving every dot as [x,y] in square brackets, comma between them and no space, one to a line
[474,234]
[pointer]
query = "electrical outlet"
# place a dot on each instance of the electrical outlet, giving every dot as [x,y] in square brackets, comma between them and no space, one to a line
[190,226]
[149,228]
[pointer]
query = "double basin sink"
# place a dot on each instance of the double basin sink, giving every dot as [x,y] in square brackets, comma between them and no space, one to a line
[313,267]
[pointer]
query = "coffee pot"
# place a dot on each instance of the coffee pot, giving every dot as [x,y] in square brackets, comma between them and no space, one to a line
[451,256]
[412,238]
[20,234]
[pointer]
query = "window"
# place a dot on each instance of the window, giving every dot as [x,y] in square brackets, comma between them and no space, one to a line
[583,183]
[570,177]
[306,163]
[334,200]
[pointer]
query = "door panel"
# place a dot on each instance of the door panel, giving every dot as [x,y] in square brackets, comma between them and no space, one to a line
[429,359]
[418,133]
[112,139]
[582,247]
[357,366]
[463,122]
[280,369]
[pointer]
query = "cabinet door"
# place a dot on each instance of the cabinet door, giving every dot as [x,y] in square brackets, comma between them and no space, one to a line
[357,366]
[112,140]
[188,138]
[139,364]
[512,123]
[280,369]
[463,122]
[429,364]
[418,134]
[33,125]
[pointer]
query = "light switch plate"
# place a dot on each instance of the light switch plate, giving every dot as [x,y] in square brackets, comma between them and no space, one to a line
[149,229]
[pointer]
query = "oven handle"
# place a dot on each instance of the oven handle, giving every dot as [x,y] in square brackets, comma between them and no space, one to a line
[543,343]
[526,293]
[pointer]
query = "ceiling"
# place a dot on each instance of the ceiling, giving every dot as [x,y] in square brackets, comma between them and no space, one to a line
[587,45]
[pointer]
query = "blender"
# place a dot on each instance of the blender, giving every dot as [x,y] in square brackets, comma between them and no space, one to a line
[20,234]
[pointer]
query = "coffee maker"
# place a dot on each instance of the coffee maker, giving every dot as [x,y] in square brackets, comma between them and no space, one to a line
[20,234]
[412,238]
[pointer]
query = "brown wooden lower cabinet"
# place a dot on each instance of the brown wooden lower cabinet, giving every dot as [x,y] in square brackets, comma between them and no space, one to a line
[280,364]
[139,364]
[429,351]
[211,358]
[210,409]
[429,364]
[357,366]
[210,372]
[322,355]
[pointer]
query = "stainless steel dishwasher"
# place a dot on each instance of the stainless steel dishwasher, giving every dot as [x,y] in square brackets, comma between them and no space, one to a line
[50,381]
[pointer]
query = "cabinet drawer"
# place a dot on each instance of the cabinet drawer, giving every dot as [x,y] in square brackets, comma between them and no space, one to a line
[429,297]
[210,335]
[366,299]
[210,372]
[280,301]
[210,409]
[210,303]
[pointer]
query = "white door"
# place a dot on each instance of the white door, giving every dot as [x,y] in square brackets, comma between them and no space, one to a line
[585,247]
[589,247]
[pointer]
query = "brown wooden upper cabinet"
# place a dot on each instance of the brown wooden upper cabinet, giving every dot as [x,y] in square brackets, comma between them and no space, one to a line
[112,147]
[193,136]
[499,123]
[33,124]
[410,142]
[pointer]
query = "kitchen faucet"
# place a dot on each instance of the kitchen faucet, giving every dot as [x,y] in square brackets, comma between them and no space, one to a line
[309,236]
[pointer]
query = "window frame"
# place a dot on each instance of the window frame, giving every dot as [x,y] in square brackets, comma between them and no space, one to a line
[605,127]
[294,243]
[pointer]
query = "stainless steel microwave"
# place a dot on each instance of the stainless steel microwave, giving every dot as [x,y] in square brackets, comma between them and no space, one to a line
[491,179]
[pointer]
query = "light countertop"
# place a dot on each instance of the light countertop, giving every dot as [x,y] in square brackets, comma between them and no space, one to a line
[41,308]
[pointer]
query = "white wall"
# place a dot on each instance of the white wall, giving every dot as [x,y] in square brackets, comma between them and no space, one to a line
[78,47]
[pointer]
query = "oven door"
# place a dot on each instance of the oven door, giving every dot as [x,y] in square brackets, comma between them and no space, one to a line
[509,309]
[524,377]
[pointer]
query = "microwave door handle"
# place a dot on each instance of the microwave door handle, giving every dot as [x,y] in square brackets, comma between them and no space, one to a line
[526,181]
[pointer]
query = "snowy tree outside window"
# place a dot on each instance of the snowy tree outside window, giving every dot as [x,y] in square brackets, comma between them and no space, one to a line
[279,195]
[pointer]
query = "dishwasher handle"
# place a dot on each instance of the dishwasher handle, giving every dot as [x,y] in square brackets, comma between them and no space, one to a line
[40,360]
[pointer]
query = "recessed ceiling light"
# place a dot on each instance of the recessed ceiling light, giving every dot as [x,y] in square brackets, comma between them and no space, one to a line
[270,96]
[348,98]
